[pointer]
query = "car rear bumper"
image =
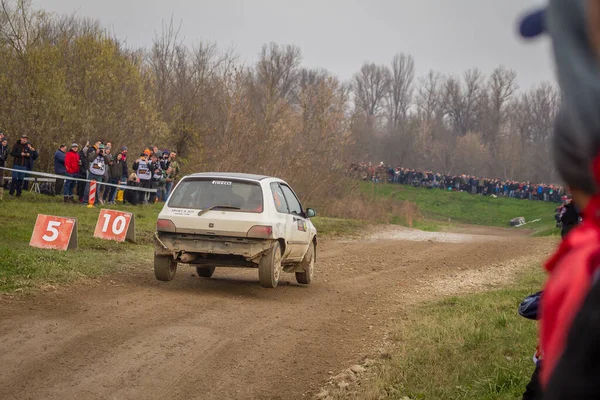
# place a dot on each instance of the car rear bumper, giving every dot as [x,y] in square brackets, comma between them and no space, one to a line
[187,247]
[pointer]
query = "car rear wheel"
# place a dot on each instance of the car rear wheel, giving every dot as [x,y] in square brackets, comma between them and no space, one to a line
[164,268]
[205,272]
[308,266]
[269,268]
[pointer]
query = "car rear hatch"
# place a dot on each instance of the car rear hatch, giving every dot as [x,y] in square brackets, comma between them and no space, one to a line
[220,207]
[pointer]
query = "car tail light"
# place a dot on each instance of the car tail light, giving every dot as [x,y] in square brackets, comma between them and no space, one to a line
[165,225]
[260,232]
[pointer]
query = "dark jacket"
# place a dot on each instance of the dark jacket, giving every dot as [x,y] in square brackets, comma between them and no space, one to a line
[576,374]
[116,169]
[571,215]
[91,154]
[130,196]
[125,168]
[59,163]
[27,159]
[4,152]
[84,164]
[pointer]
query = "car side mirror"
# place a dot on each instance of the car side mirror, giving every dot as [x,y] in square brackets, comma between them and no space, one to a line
[310,213]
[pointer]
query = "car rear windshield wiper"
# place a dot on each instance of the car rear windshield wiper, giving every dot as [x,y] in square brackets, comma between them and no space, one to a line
[218,206]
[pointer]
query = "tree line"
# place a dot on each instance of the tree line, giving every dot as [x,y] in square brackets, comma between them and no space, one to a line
[65,78]
[469,124]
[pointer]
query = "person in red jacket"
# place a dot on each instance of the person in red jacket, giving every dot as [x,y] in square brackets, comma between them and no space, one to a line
[575,265]
[570,362]
[72,163]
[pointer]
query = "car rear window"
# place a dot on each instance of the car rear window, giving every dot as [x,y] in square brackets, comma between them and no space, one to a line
[204,193]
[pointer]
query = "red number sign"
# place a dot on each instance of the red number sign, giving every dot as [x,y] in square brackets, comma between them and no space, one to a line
[57,233]
[115,225]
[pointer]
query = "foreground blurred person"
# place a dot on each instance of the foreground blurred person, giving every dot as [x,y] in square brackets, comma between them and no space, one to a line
[568,331]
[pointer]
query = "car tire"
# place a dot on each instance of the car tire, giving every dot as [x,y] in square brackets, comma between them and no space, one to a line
[205,272]
[165,268]
[308,265]
[269,268]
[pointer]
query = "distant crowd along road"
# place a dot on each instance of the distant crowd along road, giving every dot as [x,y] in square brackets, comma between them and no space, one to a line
[465,183]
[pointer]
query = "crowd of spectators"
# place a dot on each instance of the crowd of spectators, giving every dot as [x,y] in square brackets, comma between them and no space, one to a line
[154,169]
[382,173]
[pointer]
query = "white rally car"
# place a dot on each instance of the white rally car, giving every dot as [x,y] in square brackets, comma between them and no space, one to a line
[235,220]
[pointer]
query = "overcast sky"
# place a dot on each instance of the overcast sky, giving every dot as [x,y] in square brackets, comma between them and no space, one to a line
[448,36]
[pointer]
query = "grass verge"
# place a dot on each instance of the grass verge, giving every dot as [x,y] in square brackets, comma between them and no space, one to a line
[23,267]
[468,347]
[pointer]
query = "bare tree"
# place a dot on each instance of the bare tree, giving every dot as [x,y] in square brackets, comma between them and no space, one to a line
[21,27]
[502,85]
[371,85]
[401,88]
[428,96]
[278,71]
[462,104]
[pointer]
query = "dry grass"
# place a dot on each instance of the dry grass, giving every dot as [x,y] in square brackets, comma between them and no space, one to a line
[360,206]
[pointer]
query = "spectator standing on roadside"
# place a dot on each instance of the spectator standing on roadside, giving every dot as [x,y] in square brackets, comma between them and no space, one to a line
[4,152]
[31,160]
[125,175]
[569,218]
[108,158]
[83,168]
[115,175]
[172,173]
[132,196]
[143,171]
[164,166]
[157,175]
[59,168]
[22,152]
[97,167]
[72,165]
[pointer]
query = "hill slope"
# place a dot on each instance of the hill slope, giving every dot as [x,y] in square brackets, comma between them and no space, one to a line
[441,207]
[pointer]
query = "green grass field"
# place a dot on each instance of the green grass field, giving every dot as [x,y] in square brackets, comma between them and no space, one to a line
[473,347]
[442,208]
[23,267]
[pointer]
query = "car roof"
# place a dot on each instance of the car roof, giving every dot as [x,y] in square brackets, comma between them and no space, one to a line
[232,175]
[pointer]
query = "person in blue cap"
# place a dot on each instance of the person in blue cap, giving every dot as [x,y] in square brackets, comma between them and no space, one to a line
[570,306]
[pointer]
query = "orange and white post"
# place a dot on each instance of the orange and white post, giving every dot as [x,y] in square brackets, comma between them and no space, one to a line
[92,196]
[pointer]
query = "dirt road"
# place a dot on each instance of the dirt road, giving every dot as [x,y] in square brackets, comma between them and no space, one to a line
[130,337]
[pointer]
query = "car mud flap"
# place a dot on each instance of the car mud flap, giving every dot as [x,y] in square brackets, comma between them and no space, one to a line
[256,259]
[291,268]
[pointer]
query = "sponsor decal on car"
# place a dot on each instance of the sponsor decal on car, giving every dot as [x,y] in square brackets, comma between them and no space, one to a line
[301,225]
[224,183]
[183,211]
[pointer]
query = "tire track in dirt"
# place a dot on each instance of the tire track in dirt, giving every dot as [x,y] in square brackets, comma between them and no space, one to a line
[129,336]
